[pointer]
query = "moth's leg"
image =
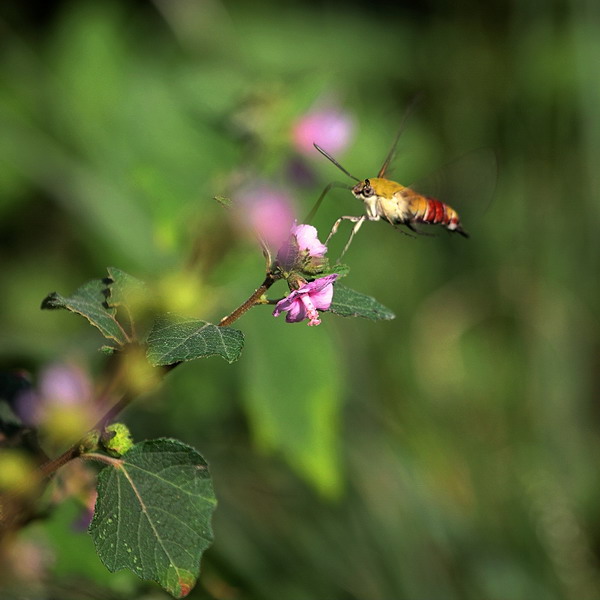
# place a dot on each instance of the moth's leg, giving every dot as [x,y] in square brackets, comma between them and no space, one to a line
[337,224]
[357,225]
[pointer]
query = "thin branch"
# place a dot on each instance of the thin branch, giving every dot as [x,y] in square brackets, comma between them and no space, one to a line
[270,279]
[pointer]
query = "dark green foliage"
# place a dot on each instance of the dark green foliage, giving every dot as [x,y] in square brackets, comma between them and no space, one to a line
[90,301]
[174,339]
[349,303]
[153,513]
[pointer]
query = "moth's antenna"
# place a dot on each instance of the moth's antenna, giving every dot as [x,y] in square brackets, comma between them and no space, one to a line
[335,162]
[392,152]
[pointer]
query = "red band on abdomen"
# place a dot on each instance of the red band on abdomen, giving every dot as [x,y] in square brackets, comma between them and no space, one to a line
[429,216]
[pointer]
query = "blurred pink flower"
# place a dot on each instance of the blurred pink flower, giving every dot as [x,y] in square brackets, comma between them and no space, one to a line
[304,302]
[59,385]
[266,211]
[65,384]
[330,128]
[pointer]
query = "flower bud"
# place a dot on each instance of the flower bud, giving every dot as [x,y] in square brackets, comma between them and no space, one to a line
[116,438]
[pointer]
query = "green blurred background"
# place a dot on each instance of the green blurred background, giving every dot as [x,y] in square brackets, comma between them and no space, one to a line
[449,454]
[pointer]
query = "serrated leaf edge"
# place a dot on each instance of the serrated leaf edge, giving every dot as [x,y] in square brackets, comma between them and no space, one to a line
[55,296]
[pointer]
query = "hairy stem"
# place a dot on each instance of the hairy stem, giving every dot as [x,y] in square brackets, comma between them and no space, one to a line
[248,304]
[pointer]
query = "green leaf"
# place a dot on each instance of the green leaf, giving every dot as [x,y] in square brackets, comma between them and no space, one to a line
[131,298]
[174,339]
[341,269]
[349,303]
[124,289]
[89,301]
[153,513]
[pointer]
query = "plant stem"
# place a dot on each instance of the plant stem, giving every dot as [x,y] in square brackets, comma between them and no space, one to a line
[252,300]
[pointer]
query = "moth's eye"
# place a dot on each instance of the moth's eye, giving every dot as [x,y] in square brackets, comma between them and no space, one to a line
[367,190]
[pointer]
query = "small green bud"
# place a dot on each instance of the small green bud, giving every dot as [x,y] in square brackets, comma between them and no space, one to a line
[116,439]
[89,442]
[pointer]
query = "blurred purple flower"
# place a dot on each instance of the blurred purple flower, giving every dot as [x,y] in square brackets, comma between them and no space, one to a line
[330,128]
[82,522]
[59,385]
[266,211]
[28,407]
[65,384]
[304,302]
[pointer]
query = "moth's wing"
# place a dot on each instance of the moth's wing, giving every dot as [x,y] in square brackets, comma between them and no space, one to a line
[467,183]
[391,155]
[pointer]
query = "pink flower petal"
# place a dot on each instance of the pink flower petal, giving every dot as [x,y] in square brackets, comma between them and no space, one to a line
[284,305]
[319,284]
[296,312]
[301,239]
[322,298]
[307,238]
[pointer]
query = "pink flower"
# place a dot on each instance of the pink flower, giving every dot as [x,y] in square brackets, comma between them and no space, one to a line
[265,210]
[302,244]
[308,241]
[304,302]
[330,128]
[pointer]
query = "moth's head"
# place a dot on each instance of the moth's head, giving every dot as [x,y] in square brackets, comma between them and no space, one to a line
[363,189]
